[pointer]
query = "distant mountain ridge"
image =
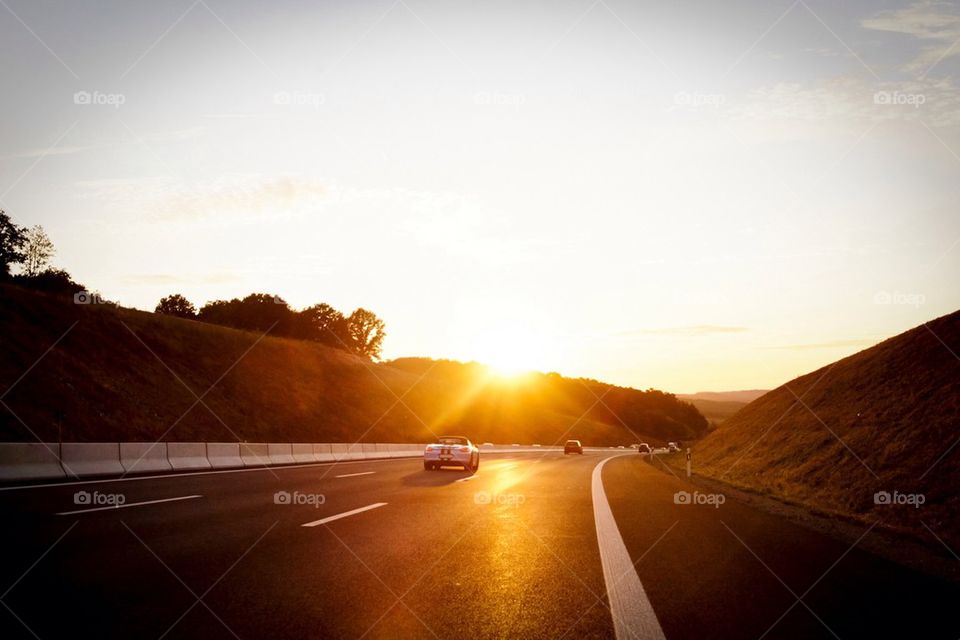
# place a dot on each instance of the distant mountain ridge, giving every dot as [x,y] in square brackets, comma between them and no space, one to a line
[748,395]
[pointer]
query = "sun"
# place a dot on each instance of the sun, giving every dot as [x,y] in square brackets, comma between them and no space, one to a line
[510,355]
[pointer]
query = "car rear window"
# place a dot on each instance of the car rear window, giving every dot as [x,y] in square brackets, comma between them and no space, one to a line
[452,440]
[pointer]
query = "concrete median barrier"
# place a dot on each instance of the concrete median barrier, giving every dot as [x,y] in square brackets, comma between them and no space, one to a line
[144,457]
[381,450]
[254,454]
[224,455]
[323,452]
[187,455]
[353,451]
[403,450]
[341,451]
[30,461]
[81,459]
[302,453]
[280,453]
[369,451]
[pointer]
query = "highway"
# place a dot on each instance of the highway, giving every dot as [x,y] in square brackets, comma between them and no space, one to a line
[521,549]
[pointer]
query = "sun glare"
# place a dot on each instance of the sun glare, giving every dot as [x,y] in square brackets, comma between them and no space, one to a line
[510,355]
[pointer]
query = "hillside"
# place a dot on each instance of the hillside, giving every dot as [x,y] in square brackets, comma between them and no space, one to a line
[120,374]
[883,419]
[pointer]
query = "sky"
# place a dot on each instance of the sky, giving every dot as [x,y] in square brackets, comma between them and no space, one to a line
[687,196]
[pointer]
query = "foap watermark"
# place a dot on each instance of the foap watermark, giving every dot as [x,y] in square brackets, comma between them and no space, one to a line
[498,99]
[97,499]
[99,98]
[504,499]
[699,100]
[899,99]
[914,300]
[298,99]
[296,498]
[711,499]
[895,498]
[88,297]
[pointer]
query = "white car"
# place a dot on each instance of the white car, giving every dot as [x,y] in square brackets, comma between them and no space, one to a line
[451,451]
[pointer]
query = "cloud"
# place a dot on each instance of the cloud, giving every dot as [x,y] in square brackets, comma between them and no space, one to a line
[927,21]
[690,331]
[850,100]
[232,197]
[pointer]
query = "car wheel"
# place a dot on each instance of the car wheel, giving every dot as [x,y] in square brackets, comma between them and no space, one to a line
[428,466]
[476,463]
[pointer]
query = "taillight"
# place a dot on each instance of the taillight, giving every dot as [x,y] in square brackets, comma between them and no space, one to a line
[465,449]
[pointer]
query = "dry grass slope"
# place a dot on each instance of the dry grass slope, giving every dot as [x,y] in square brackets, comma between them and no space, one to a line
[883,419]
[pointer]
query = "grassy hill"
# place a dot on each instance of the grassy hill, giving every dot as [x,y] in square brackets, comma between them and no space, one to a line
[883,419]
[119,374]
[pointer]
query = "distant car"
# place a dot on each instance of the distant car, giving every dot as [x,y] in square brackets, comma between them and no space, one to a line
[672,447]
[451,451]
[643,447]
[621,447]
[535,445]
[572,446]
[487,444]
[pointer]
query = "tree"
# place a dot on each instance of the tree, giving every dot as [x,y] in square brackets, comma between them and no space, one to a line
[176,305]
[366,332]
[12,240]
[37,252]
[257,312]
[54,281]
[324,324]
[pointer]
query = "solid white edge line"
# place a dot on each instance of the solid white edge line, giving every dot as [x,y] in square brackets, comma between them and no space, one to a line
[633,615]
[345,514]
[130,504]
[354,475]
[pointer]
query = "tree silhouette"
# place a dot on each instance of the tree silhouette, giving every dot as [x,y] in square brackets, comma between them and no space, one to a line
[176,305]
[322,323]
[12,240]
[367,332]
[256,312]
[37,251]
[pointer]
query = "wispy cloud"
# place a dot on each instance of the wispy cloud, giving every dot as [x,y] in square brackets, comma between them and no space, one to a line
[691,330]
[232,197]
[935,23]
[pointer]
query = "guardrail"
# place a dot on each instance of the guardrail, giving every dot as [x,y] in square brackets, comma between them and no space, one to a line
[72,460]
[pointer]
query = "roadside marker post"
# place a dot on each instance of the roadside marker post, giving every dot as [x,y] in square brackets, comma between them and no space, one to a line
[688,462]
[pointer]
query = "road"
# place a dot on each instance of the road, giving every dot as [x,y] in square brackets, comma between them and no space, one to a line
[512,551]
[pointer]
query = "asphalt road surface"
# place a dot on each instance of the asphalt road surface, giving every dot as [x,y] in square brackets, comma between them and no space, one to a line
[522,549]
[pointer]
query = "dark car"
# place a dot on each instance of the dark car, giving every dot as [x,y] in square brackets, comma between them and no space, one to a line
[643,447]
[573,446]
